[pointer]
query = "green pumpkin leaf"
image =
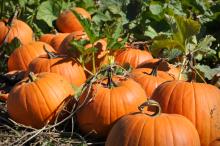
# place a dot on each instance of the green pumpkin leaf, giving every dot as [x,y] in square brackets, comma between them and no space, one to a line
[184,29]
[158,45]
[48,12]
[88,27]
[205,44]
[155,8]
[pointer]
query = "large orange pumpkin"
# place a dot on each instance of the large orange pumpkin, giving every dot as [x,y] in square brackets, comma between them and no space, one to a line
[163,66]
[139,129]
[132,56]
[36,101]
[22,56]
[17,29]
[107,105]
[150,80]
[199,102]
[67,21]
[63,65]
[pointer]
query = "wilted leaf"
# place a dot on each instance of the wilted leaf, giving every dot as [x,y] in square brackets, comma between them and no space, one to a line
[208,72]
[205,44]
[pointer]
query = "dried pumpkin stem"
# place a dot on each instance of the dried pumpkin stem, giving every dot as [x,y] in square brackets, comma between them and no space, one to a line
[32,77]
[110,82]
[151,103]
[51,55]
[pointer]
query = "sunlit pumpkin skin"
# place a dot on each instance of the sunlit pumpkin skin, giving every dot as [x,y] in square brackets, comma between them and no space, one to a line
[57,40]
[108,105]
[35,103]
[164,66]
[65,47]
[22,56]
[47,38]
[149,82]
[67,22]
[65,66]
[139,129]
[18,29]
[199,102]
[132,56]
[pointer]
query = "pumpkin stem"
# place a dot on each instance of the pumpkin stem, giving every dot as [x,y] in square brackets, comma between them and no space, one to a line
[155,68]
[190,66]
[151,103]
[110,83]
[14,16]
[51,55]
[32,77]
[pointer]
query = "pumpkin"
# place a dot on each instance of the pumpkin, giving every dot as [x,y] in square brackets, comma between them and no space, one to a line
[150,79]
[22,56]
[63,65]
[67,22]
[57,40]
[199,102]
[47,38]
[65,47]
[140,129]
[107,104]
[163,66]
[15,28]
[132,56]
[36,100]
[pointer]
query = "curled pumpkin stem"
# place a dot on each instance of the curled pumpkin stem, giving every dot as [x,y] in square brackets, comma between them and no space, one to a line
[32,77]
[151,103]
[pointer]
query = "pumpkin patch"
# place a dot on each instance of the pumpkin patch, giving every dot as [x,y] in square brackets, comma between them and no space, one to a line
[109,73]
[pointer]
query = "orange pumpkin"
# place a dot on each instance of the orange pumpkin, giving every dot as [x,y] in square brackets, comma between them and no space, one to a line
[108,104]
[199,102]
[17,29]
[150,79]
[36,101]
[57,40]
[22,56]
[67,22]
[132,56]
[163,66]
[47,38]
[140,129]
[65,47]
[63,65]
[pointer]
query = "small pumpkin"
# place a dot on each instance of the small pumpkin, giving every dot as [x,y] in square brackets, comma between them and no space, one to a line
[142,129]
[199,102]
[109,99]
[57,40]
[132,56]
[36,100]
[47,38]
[67,22]
[60,64]
[22,56]
[150,79]
[15,28]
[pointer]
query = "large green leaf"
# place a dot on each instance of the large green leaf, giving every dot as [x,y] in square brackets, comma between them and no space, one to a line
[155,8]
[47,12]
[165,44]
[184,29]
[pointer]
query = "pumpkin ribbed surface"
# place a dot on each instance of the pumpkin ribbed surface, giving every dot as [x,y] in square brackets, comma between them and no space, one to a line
[34,103]
[198,102]
[18,29]
[141,130]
